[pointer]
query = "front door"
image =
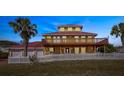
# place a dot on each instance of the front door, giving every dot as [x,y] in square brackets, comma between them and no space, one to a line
[67,50]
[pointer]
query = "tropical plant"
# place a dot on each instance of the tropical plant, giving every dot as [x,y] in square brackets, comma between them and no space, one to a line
[118,31]
[26,30]
[107,49]
[3,55]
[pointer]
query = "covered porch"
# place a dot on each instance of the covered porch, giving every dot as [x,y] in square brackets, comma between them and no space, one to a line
[70,49]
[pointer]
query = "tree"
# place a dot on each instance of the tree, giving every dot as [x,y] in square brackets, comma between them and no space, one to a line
[26,30]
[107,49]
[118,31]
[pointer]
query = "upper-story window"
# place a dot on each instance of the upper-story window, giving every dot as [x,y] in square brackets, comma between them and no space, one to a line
[77,29]
[76,37]
[58,37]
[69,28]
[54,37]
[89,36]
[64,37]
[62,29]
[83,36]
[48,37]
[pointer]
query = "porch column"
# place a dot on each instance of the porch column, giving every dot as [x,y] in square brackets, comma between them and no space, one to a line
[60,50]
[10,53]
[95,49]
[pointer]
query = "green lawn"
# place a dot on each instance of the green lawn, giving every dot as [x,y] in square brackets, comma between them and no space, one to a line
[65,68]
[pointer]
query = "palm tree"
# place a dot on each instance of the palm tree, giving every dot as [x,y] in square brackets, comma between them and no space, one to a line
[26,30]
[118,31]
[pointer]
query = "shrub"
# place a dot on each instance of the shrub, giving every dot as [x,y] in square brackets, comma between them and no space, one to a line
[33,59]
[107,49]
[3,55]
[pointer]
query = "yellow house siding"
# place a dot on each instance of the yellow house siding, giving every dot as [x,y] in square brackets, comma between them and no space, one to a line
[83,49]
[76,50]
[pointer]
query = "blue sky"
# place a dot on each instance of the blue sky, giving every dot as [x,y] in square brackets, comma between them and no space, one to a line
[97,24]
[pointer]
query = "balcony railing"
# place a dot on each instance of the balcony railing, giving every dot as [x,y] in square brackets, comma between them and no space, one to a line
[74,41]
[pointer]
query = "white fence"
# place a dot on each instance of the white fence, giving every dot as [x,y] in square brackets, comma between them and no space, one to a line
[61,57]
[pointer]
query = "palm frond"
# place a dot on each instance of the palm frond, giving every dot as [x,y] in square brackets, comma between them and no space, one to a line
[24,27]
[15,26]
[121,26]
[115,31]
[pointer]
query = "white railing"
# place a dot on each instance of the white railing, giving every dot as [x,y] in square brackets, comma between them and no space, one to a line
[61,57]
[73,41]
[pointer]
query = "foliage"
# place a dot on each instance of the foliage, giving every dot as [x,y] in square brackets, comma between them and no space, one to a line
[3,55]
[118,31]
[25,28]
[33,59]
[107,49]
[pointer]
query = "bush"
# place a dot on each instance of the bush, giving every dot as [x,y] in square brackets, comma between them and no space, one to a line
[33,59]
[107,49]
[3,55]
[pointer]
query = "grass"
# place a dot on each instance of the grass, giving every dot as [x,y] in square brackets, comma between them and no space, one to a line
[66,68]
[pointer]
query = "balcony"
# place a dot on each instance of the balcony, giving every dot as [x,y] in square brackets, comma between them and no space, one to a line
[83,41]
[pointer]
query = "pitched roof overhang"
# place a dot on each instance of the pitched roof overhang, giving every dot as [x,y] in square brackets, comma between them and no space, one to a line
[32,45]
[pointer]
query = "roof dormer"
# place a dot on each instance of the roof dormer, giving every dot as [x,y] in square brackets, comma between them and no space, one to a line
[70,28]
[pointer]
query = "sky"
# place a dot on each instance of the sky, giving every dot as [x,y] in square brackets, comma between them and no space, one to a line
[97,24]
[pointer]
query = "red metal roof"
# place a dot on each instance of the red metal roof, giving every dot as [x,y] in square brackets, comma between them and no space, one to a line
[103,42]
[30,45]
[69,33]
[41,44]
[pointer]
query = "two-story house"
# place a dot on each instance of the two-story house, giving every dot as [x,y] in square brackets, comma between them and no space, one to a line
[68,39]
[71,39]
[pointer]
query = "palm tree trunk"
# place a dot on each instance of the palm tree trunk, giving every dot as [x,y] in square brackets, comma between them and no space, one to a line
[25,48]
[122,39]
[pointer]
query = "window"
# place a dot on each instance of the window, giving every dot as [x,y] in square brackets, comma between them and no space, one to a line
[48,37]
[54,37]
[83,36]
[63,37]
[61,29]
[77,29]
[69,28]
[89,36]
[58,39]
[76,37]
